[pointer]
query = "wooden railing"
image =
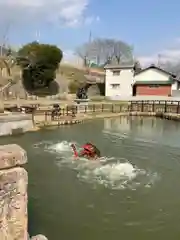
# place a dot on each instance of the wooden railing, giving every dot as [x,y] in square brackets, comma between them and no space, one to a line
[155,106]
[132,106]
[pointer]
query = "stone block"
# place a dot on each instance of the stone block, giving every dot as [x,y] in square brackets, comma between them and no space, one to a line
[13,193]
[12,155]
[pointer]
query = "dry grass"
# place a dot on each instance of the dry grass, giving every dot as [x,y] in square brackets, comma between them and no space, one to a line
[77,74]
[72,73]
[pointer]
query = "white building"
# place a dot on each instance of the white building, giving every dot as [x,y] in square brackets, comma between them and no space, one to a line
[155,81]
[121,81]
[118,80]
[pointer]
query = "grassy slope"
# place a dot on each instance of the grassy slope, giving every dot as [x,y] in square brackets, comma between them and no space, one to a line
[72,73]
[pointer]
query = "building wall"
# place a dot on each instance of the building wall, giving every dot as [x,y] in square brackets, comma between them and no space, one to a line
[151,75]
[175,85]
[145,90]
[124,80]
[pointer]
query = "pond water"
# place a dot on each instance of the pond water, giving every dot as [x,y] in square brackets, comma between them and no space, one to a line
[132,192]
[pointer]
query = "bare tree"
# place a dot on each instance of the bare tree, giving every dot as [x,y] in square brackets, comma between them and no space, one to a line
[102,51]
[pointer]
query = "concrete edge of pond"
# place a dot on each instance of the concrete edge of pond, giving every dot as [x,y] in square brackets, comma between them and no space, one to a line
[89,117]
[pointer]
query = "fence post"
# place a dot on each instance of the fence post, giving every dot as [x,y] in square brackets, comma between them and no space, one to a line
[112,108]
[165,107]
[46,116]
[58,120]
[73,111]
[131,107]
[33,117]
[142,106]
[153,107]
[94,108]
[178,107]
[102,107]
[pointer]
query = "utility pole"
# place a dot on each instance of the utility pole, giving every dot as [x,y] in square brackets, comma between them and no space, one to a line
[90,37]
[159,60]
[37,36]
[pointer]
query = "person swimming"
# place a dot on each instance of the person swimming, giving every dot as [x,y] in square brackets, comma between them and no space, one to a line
[89,151]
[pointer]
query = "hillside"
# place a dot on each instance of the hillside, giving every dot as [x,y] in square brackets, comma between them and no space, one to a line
[77,74]
[72,73]
[67,77]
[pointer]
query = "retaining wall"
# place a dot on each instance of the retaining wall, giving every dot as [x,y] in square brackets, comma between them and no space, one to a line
[15,123]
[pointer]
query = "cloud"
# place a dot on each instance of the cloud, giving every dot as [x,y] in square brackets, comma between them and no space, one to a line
[171,54]
[61,12]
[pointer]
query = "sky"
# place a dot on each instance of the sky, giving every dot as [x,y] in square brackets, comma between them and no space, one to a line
[151,27]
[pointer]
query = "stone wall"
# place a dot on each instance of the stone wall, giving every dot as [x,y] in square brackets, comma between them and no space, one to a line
[13,194]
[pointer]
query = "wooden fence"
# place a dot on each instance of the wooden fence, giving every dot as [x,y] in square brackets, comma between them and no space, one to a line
[155,106]
[132,106]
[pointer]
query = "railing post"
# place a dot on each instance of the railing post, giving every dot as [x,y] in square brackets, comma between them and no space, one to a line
[46,116]
[178,107]
[165,107]
[33,117]
[85,109]
[142,106]
[58,115]
[112,108]
[94,109]
[73,111]
[153,107]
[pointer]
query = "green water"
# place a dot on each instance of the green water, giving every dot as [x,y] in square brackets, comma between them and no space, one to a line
[132,193]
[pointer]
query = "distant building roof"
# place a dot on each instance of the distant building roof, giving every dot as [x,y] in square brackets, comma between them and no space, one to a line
[122,65]
[158,68]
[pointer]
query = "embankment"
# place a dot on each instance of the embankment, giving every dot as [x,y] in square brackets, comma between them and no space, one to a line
[13,194]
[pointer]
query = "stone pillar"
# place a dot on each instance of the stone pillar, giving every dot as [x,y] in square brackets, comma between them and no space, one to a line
[13,193]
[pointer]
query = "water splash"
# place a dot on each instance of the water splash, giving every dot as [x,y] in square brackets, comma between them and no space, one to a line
[60,147]
[107,171]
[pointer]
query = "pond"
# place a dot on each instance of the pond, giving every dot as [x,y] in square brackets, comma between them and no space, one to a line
[132,192]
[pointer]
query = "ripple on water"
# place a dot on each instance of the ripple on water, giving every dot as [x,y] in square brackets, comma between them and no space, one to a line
[110,172]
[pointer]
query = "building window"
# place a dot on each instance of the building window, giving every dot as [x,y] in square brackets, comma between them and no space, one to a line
[116,72]
[154,86]
[115,86]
